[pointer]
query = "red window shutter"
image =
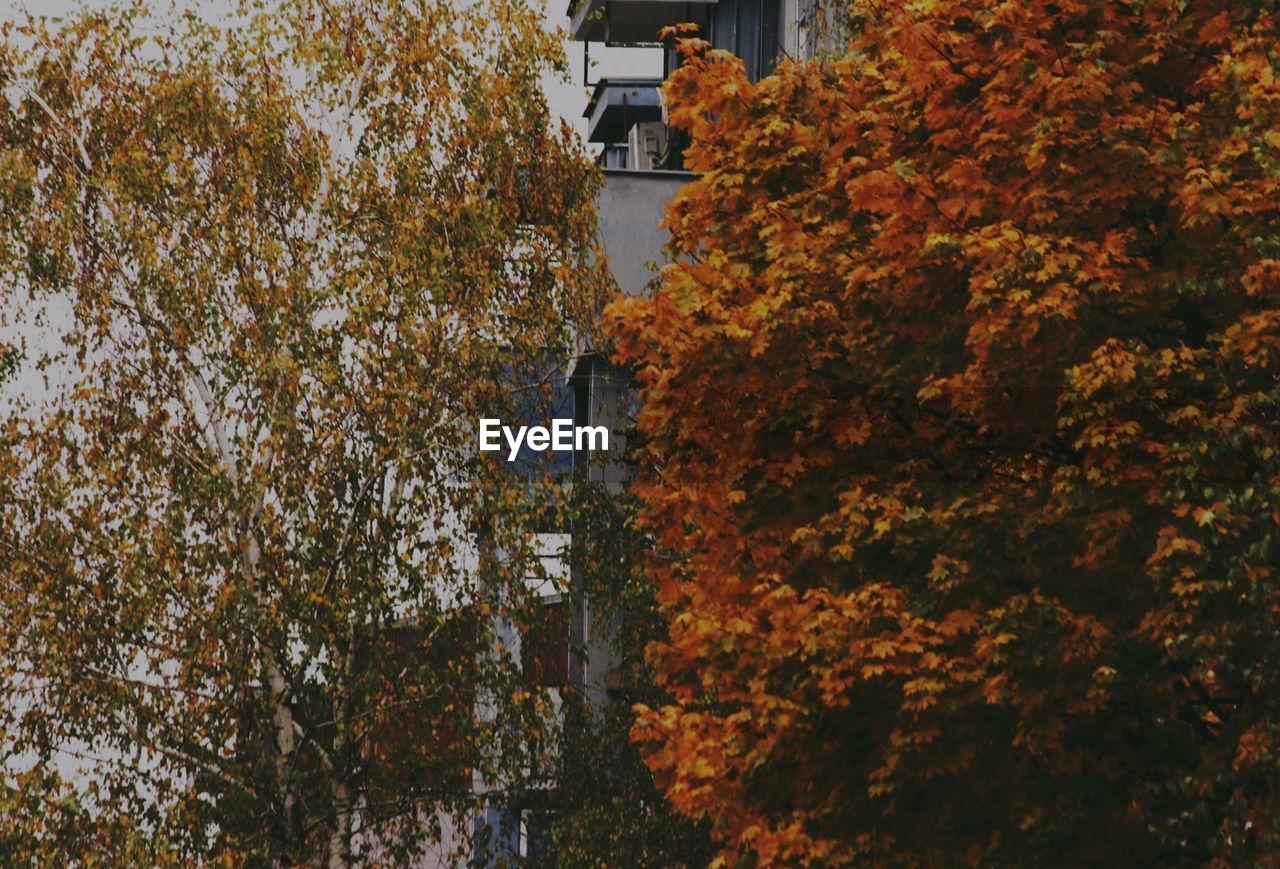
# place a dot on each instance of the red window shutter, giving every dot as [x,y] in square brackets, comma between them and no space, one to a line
[544,647]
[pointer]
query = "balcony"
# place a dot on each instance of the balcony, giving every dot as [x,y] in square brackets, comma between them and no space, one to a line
[632,22]
[617,105]
[630,208]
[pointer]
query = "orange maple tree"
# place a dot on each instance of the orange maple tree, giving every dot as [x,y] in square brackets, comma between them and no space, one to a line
[961,418]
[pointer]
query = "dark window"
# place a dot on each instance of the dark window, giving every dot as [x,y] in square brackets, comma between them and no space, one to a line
[752,30]
[613,157]
[544,647]
[536,394]
[496,836]
[541,395]
[537,832]
[424,670]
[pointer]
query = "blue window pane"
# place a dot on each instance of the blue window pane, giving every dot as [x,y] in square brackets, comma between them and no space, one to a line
[542,395]
[497,837]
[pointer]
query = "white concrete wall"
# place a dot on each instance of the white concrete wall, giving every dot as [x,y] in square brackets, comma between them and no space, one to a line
[630,207]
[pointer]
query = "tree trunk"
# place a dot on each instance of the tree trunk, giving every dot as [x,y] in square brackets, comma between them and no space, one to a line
[340,839]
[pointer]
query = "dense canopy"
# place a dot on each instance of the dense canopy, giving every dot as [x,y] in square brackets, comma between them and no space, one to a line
[262,274]
[961,407]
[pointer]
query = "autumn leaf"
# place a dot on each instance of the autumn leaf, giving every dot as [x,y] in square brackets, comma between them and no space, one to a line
[993,359]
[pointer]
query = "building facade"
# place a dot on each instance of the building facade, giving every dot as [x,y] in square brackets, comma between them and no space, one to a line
[641,157]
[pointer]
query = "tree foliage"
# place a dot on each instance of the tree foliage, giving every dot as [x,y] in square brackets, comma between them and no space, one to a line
[253,573]
[963,414]
[606,808]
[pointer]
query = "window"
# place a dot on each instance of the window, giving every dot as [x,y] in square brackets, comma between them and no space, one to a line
[544,647]
[535,393]
[751,29]
[541,394]
[535,835]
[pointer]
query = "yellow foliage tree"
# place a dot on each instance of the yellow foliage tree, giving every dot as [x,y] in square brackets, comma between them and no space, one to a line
[250,559]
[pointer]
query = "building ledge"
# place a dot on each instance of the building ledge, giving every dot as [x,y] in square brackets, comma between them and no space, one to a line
[632,22]
[630,208]
[665,174]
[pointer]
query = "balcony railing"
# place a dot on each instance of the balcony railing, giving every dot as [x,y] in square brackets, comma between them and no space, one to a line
[617,105]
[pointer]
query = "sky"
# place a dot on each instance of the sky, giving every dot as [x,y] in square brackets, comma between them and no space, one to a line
[567,98]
